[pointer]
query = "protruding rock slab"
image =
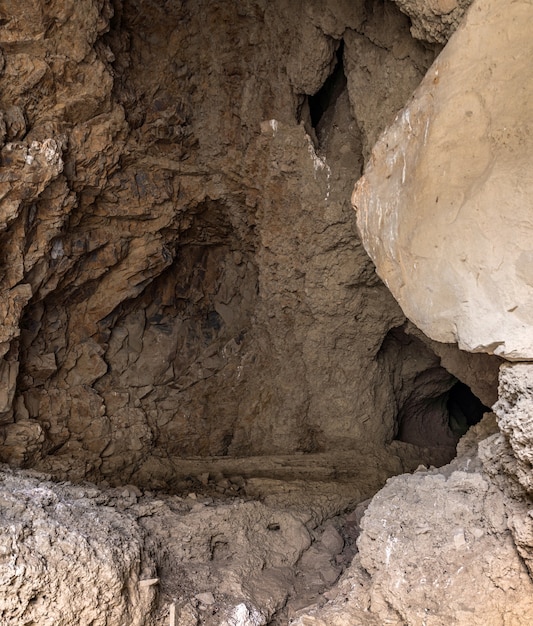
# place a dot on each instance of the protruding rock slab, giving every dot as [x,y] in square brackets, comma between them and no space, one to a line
[434,21]
[515,418]
[444,207]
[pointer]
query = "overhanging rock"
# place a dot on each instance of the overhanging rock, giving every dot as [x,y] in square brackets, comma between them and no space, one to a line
[445,205]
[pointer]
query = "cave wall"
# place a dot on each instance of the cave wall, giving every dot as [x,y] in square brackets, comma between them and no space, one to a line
[181,277]
[181,273]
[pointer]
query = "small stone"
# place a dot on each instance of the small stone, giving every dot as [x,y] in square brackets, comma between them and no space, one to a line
[238,481]
[148,582]
[204,478]
[330,574]
[459,540]
[331,540]
[331,594]
[206,598]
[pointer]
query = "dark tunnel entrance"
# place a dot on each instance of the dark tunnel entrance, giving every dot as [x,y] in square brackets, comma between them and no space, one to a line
[434,408]
[440,419]
[464,409]
[327,95]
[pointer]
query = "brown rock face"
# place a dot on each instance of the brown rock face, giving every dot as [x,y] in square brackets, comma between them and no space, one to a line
[181,274]
[186,307]
[436,20]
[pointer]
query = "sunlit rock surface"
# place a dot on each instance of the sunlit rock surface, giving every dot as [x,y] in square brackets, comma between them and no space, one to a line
[444,207]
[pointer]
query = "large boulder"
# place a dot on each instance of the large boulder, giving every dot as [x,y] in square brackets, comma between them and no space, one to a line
[444,207]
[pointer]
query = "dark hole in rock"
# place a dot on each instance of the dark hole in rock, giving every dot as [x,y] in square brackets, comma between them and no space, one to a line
[464,409]
[440,420]
[434,408]
[423,416]
[329,92]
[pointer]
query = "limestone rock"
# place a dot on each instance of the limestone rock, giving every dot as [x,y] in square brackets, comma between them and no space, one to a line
[434,21]
[443,206]
[463,536]
[437,547]
[515,417]
[65,559]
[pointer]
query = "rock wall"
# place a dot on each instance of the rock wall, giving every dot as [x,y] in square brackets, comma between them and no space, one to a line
[181,273]
[186,306]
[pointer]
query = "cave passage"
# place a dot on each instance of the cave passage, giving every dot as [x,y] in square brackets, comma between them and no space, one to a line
[439,420]
[327,95]
[464,409]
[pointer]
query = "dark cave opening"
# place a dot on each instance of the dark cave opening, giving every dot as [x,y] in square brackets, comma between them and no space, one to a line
[464,409]
[326,96]
[440,419]
[435,408]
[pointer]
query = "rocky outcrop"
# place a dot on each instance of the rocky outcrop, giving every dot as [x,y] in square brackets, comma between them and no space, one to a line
[515,419]
[68,558]
[181,272]
[434,21]
[436,209]
[442,207]
[436,547]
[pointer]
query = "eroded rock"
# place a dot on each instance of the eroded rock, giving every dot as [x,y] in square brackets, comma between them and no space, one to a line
[515,418]
[434,21]
[437,547]
[67,558]
[184,278]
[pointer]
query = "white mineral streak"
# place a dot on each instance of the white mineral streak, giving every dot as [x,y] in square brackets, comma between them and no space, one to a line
[320,164]
[444,206]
